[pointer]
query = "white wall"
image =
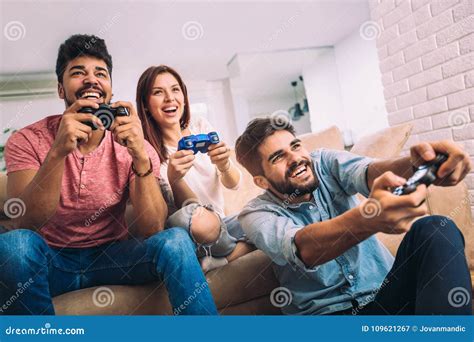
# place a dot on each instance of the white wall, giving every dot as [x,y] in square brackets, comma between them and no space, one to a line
[221,110]
[20,113]
[360,83]
[344,88]
[323,92]
[268,105]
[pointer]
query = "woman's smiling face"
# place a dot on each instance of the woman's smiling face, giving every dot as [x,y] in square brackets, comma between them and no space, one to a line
[166,101]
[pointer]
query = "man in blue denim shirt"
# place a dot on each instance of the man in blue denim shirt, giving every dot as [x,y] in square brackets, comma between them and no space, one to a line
[322,241]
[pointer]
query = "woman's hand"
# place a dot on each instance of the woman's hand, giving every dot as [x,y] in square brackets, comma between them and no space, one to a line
[179,164]
[219,154]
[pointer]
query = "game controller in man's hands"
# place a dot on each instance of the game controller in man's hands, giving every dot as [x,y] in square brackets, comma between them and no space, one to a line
[105,113]
[424,174]
[199,142]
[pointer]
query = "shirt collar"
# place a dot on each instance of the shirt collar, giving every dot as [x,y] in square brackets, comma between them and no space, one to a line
[285,203]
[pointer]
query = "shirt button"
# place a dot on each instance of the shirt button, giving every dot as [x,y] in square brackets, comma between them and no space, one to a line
[83,186]
[350,276]
[311,207]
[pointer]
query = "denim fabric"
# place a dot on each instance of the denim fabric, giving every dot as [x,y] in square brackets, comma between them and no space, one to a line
[230,232]
[271,225]
[31,272]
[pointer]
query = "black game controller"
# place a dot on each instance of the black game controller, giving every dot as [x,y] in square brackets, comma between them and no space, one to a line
[105,113]
[424,174]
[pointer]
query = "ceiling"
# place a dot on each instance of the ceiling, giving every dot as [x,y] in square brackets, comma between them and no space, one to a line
[198,38]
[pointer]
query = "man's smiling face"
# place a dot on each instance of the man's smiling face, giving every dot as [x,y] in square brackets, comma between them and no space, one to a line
[88,78]
[288,169]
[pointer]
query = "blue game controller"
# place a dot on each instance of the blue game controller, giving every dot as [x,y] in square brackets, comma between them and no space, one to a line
[198,142]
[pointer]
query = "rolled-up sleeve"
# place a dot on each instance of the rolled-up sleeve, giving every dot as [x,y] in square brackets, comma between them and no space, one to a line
[271,233]
[349,169]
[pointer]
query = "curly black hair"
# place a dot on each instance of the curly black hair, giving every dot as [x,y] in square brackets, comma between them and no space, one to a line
[81,45]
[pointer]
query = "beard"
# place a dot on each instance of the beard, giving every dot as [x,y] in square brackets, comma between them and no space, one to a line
[290,187]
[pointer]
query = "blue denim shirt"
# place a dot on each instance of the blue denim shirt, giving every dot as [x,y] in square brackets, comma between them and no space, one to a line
[271,224]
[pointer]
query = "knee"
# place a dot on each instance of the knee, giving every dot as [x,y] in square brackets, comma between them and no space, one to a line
[205,226]
[438,228]
[172,242]
[21,246]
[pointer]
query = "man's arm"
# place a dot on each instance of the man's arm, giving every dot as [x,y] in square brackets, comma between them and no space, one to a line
[320,242]
[400,166]
[450,173]
[39,190]
[149,207]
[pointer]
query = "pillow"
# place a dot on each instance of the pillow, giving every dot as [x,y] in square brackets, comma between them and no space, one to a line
[385,144]
[329,138]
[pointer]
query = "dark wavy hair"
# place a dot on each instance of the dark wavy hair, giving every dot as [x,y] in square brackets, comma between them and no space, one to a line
[80,45]
[151,129]
[246,146]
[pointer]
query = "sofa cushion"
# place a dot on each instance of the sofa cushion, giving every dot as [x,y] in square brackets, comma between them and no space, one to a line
[386,143]
[329,138]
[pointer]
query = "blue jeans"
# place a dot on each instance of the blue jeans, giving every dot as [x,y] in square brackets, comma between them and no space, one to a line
[231,231]
[31,272]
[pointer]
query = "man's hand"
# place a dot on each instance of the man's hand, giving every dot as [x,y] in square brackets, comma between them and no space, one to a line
[219,154]
[72,130]
[388,213]
[128,132]
[453,170]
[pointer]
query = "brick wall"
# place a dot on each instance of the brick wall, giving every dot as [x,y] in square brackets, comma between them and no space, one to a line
[426,58]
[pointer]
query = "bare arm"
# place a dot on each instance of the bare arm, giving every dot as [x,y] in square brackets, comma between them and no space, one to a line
[182,192]
[400,166]
[39,190]
[220,156]
[230,177]
[320,242]
[450,173]
[149,206]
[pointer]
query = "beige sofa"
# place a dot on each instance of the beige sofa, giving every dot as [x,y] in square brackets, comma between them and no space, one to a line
[244,286]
